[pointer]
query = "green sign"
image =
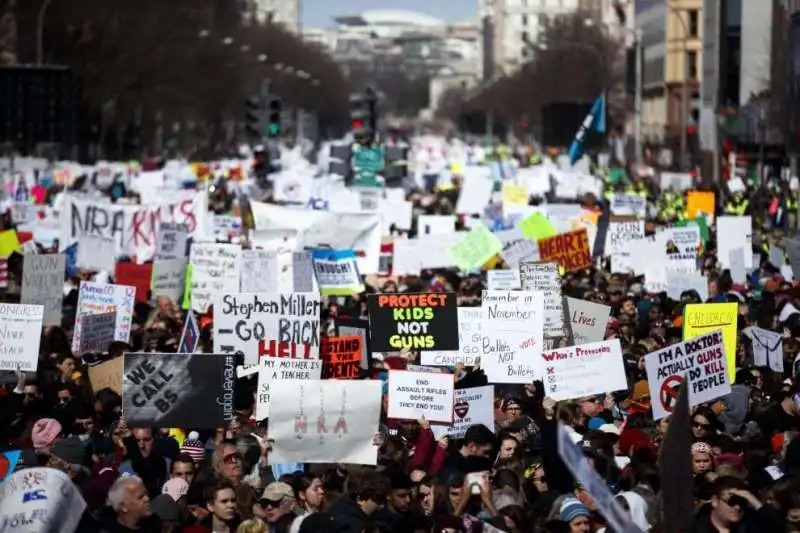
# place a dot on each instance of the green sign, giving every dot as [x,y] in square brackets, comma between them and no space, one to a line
[367,163]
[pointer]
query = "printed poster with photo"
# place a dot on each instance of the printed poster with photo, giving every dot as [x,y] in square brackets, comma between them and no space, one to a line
[413,321]
[178,390]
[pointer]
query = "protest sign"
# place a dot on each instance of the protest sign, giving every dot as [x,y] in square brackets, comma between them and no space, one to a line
[178,390]
[134,275]
[169,278]
[190,336]
[43,284]
[680,247]
[585,370]
[96,253]
[268,325]
[259,271]
[97,332]
[620,233]
[475,248]
[570,250]
[341,357]
[347,327]
[470,407]
[544,277]
[134,228]
[628,205]
[420,368]
[271,370]
[767,347]
[337,272]
[470,342]
[171,242]
[107,375]
[215,270]
[96,298]
[325,422]
[679,282]
[40,500]
[585,474]
[414,321]
[700,363]
[413,395]
[512,335]
[588,319]
[20,331]
[702,318]
[302,272]
[503,279]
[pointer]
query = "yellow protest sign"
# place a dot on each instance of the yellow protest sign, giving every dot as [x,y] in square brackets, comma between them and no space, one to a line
[514,194]
[187,288]
[536,227]
[476,248]
[704,318]
[9,243]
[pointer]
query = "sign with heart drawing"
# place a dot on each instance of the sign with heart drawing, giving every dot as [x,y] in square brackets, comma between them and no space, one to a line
[470,407]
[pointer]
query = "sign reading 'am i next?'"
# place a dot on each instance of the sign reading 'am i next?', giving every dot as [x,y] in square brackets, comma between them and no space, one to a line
[173,389]
[415,321]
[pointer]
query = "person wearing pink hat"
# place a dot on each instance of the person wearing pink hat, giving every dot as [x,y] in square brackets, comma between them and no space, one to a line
[44,434]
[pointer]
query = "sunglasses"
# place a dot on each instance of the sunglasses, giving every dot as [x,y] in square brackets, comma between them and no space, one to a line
[232,458]
[700,425]
[271,503]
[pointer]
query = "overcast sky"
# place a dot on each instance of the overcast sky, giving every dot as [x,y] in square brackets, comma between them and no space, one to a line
[320,13]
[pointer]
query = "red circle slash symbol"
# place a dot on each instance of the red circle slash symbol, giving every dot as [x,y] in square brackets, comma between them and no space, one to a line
[668,395]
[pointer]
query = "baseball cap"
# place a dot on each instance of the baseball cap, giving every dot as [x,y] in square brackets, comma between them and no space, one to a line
[277,491]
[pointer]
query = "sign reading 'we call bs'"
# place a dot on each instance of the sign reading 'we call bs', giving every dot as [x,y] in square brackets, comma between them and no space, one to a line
[415,321]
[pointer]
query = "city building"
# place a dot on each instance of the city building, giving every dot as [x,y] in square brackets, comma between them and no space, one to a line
[672,52]
[448,54]
[513,27]
[284,12]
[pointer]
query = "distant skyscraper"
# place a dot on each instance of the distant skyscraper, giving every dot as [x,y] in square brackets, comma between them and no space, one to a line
[285,12]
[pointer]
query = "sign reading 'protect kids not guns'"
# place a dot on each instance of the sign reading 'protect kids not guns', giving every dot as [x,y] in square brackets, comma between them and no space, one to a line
[416,321]
[571,250]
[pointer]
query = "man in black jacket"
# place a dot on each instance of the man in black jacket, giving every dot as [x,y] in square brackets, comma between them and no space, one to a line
[366,494]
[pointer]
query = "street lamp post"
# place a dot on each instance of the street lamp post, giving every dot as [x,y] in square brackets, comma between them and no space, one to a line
[40,32]
[685,87]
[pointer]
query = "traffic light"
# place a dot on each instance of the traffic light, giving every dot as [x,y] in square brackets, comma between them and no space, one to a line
[253,117]
[274,119]
[363,115]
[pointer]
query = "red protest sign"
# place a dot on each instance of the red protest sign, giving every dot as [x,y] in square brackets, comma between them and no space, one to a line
[341,357]
[571,250]
[137,276]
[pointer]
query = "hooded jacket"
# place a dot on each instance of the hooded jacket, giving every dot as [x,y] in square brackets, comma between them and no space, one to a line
[348,515]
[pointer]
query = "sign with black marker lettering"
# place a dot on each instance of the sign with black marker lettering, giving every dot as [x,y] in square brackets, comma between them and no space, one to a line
[178,390]
[268,325]
[699,363]
[415,321]
[413,395]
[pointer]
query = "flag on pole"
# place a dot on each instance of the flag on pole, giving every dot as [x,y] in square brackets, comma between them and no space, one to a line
[190,335]
[594,121]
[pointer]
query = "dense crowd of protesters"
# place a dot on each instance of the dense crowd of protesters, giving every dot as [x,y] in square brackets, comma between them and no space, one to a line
[745,460]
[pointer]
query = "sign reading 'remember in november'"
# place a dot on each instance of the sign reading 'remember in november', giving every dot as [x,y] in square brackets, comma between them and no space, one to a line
[268,325]
[417,321]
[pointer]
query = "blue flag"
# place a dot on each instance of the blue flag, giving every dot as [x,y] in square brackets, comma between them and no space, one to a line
[190,335]
[594,121]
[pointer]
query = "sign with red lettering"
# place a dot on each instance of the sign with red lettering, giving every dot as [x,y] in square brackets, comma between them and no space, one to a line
[134,228]
[698,363]
[571,250]
[268,325]
[341,357]
[414,321]
[585,370]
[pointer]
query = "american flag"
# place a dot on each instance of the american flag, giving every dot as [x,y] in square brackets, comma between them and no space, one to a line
[190,335]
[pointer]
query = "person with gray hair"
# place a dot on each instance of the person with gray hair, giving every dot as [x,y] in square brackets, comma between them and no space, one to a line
[130,503]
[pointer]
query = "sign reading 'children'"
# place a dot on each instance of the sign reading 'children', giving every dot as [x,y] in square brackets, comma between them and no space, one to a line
[417,321]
